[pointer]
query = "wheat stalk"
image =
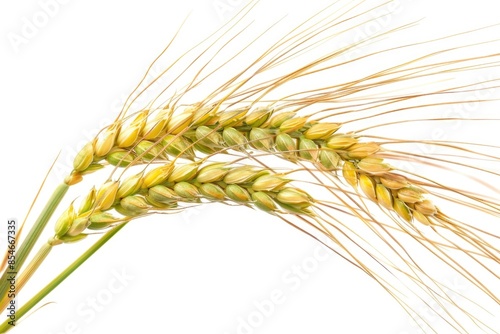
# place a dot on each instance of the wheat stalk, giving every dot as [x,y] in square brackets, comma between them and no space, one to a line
[236,121]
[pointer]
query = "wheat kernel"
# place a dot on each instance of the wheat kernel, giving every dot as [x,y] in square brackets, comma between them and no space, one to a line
[321,130]
[148,150]
[294,197]
[121,158]
[128,136]
[237,193]
[157,176]
[263,201]
[202,115]
[212,173]
[259,116]
[78,226]
[362,150]
[367,184]
[271,182]
[329,159]
[208,137]
[232,118]
[178,123]
[394,181]
[308,149]
[341,142]
[88,203]
[384,196]
[184,173]
[234,138]
[64,222]
[261,139]
[163,194]
[129,186]
[212,191]
[293,124]
[155,127]
[286,144]
[106,195]
[244,174]
[426,207]
[374,165]
[105,141]
[100,220]
[349,173]
[421,217]
[84,158]
[278,119]
[402,209]
[186,190]
[409,195]
[136,205]
[178,147]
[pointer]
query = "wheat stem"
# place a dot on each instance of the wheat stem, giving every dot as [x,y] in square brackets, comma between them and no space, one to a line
[31,268]
[5,326]
[34,234]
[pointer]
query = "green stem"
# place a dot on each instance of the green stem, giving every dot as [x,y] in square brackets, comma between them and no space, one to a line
[28,272]
[33,235]
[5,326]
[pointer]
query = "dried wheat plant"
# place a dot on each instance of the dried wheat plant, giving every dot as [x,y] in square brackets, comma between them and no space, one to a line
[368,146]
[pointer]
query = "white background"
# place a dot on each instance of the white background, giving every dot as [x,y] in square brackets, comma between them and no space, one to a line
[197,272]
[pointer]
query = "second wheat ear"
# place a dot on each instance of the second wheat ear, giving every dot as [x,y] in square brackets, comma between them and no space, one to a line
[299,155]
